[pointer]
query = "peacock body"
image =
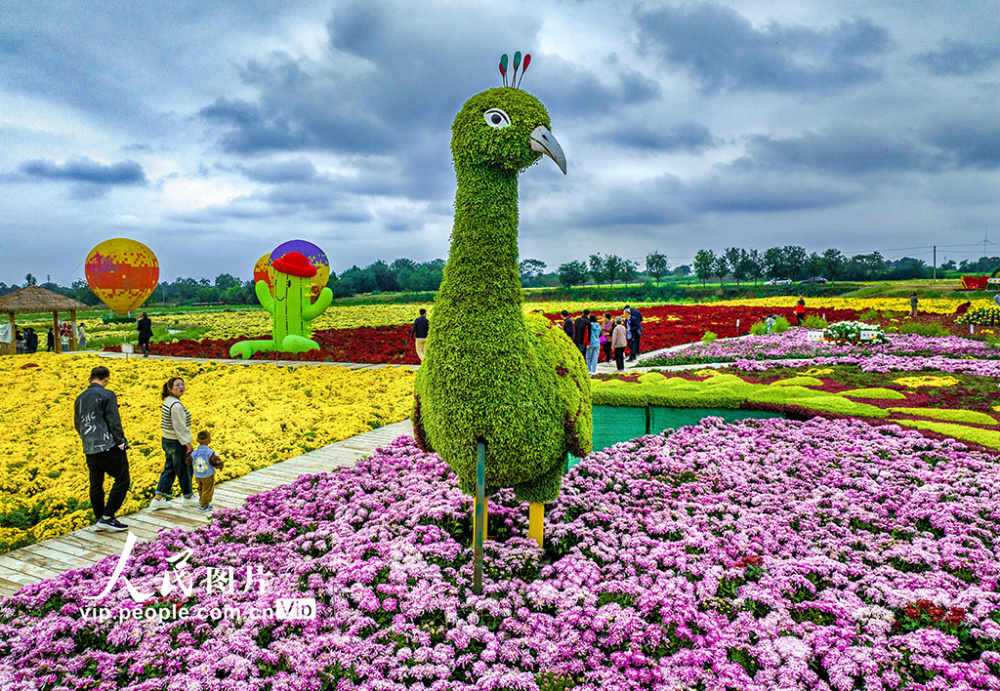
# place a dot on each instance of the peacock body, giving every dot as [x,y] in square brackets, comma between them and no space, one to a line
[491,373]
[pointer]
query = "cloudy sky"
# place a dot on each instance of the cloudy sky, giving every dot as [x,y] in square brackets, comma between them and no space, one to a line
[213,131]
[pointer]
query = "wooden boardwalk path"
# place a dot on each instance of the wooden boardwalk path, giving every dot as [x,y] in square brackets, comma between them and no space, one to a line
[86,547]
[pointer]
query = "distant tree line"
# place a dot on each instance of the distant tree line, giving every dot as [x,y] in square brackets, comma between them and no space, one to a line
[608,270]
[402,275]
[794,263]
[734,264]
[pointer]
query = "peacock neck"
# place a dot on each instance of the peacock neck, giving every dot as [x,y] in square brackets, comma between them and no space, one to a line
[483,260]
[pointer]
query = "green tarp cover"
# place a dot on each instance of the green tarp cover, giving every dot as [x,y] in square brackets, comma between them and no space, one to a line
[613,424]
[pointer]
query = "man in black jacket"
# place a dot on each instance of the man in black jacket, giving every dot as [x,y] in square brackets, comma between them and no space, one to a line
[418,332]
[31,340]
[580,327]
[145,325]
[635,326]
[567,324]
[95,416]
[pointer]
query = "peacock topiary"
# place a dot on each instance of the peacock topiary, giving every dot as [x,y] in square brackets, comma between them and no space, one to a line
[492,374]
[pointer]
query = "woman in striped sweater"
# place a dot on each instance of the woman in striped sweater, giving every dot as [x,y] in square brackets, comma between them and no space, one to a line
[175,421]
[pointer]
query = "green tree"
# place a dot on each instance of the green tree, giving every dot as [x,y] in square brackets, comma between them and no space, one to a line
[226,281]
[359,281]
[833,263]
[613,267]
[30,280]
[385,277]
[814,265]
[629,271]
[754,265]
[720,267]
[598,268]
[207,294]
[734,258]
[704,263]
[794,259]
[83,293]
[774,262]
[656,265]
[572,274]
[403,268]
[185,289]
[529,270]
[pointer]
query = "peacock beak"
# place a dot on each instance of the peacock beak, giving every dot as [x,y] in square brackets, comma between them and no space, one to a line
[543,142]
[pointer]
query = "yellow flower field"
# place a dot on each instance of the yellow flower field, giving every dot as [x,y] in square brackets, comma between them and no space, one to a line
[935,306]
[258,415]
[256,321]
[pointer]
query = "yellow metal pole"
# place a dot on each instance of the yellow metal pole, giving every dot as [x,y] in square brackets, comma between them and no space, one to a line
[536,522]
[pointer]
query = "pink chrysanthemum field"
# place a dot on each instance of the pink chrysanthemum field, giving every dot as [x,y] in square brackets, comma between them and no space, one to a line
[763,555]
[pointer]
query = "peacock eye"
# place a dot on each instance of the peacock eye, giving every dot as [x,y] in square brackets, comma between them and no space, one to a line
[496,118]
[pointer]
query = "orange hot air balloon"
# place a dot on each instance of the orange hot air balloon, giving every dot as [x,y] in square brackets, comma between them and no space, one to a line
[263,271]
[122,273]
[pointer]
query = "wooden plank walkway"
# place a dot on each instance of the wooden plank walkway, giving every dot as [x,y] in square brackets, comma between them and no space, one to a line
[85,547]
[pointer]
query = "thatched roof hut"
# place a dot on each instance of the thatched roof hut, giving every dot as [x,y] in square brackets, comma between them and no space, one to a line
[35,299]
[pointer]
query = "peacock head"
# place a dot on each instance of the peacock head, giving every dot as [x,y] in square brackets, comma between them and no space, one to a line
[505,129]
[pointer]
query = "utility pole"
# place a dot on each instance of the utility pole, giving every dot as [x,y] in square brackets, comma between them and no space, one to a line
[935,263]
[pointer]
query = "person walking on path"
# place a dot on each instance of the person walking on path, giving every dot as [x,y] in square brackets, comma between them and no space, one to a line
[913,305]
[635,322]
[96,418]
[627,323]
[800,311]
[204,461]
[50,341]
[580,327]
[81,337]
[175,422]
[618,342]
[567,324]
[418,332]
[145,325]
[606,337]
[593,344]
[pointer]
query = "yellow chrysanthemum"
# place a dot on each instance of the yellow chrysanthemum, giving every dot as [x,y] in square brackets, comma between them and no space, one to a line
[258,415]
[914,382]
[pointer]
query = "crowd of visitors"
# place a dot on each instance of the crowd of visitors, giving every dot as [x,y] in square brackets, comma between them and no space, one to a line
[601,338]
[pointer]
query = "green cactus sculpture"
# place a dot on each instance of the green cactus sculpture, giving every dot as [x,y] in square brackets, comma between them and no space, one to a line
[291,306]
[492,374]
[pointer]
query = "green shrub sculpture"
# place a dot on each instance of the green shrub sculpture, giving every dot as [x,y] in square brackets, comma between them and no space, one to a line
[492,374]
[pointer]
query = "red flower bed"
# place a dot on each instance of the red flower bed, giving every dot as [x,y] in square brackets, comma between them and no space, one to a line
[379,344]
[392,344]
[659,331]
